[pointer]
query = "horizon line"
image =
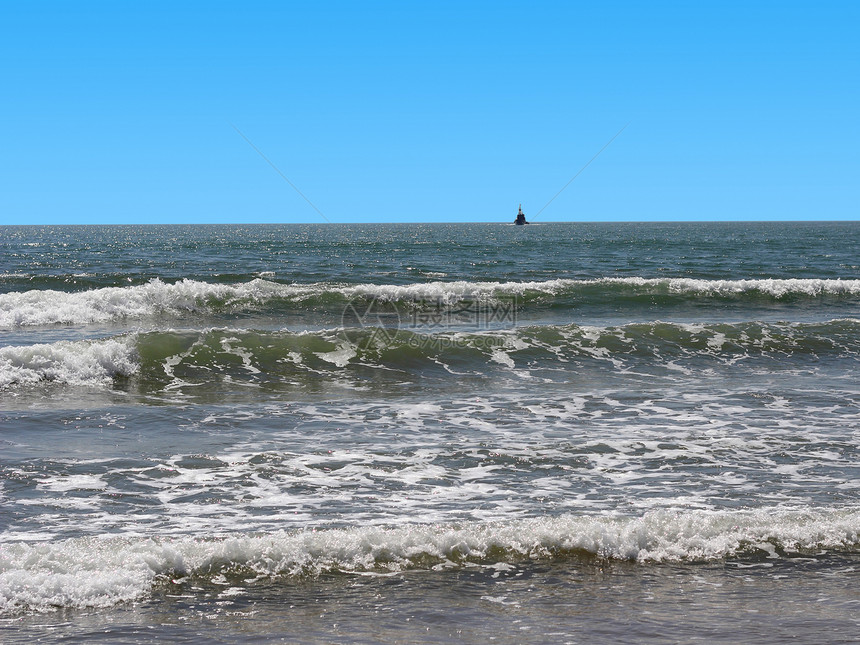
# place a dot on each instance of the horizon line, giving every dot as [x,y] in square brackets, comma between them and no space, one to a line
[503,223]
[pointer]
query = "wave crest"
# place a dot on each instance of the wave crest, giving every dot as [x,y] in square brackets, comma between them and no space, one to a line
[98,572]
[68,362]
[157,298]
[168,359]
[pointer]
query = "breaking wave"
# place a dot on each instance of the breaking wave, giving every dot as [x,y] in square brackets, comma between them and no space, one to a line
[67,362]
[157,298]
[99,572]
[161,358]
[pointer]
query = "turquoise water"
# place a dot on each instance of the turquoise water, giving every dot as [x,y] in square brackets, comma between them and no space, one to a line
[430,433]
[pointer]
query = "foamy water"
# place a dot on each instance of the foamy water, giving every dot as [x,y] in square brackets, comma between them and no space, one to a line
[99,572]
[159,298]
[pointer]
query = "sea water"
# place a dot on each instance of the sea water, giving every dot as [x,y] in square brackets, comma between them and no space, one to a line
[563,432]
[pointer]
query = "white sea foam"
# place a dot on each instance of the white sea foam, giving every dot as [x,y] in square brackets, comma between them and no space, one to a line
[48,307]
[68,362]
[340,356]
[98,572]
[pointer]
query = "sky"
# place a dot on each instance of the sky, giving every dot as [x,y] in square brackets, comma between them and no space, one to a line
[283,112]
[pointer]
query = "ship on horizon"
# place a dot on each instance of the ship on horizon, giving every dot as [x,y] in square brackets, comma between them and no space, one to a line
[521,217]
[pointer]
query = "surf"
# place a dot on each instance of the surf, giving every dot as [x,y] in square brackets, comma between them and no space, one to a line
[156,359]
[104,571]
[158,299]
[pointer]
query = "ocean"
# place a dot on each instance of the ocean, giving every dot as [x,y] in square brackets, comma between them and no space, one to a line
[430,433]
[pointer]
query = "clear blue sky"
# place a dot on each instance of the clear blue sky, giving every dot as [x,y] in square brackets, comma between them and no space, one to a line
[121,112]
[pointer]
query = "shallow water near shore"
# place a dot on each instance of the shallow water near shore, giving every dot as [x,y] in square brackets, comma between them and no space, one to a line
[572,600]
